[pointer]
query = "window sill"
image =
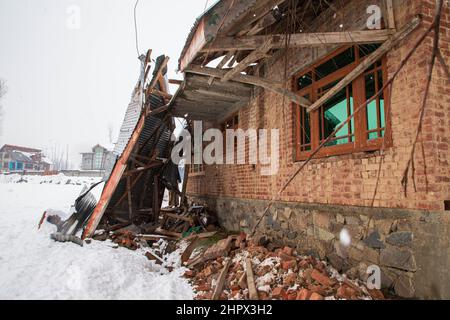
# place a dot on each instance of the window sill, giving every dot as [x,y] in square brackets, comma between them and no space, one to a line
[196,174]
[326,152]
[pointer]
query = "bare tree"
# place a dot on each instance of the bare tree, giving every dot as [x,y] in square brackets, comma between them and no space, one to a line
[59,156]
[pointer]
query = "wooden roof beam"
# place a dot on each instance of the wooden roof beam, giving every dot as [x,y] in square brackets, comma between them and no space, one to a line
[367,62]
[298,40]
[256,81]
[251,58]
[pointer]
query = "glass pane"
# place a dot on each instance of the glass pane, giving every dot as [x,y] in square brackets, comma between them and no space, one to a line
[305,81]
[333,114]
[341,60]
[382,112]
[372,119]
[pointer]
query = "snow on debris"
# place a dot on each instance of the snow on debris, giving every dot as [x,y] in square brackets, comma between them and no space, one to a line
[32,266]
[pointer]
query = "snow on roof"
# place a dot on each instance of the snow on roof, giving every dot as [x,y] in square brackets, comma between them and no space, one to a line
[20,149]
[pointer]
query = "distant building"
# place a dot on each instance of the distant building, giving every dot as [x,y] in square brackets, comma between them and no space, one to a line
[17,159]
[95,160]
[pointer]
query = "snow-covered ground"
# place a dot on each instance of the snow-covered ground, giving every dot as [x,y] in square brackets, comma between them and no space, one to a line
[32,266]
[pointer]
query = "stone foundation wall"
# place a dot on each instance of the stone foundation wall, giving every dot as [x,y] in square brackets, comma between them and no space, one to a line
[412,248]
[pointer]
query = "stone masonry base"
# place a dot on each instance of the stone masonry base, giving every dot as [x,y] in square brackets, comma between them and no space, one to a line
[412,248]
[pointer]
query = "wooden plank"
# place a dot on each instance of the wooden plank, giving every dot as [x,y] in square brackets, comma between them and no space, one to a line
[299,40]
[222,63]
[176,82]
[221,280]
[154,237]
[178,217]
[203,235]
[188,252]
[253,293]
[168,233]
[257,81]
[152,165]
[161,94]
[251,58]
[390,15]
[367,62]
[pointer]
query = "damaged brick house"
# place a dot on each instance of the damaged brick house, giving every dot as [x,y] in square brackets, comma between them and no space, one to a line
[338,171]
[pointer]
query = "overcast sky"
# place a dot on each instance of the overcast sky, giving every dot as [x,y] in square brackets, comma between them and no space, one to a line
[66,86]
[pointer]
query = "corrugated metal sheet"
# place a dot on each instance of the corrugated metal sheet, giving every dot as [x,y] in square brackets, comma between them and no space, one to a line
[129,124]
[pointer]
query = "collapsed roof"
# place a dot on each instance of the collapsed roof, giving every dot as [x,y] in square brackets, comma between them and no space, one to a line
[230,45]
[140,169]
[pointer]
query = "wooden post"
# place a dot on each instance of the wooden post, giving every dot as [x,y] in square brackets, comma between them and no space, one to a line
[390,19]
[183,200]
[130,201]
[156,207]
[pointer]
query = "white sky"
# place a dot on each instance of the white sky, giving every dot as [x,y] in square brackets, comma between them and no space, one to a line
[65,86]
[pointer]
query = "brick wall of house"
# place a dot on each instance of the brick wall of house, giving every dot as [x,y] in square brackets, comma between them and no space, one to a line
[351,179]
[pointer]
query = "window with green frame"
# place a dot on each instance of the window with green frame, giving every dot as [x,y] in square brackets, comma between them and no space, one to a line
[366,130]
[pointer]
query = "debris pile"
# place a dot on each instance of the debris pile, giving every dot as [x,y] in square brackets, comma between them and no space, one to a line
[239,269]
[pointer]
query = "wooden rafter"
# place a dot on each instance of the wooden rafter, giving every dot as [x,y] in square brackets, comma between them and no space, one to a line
[367,62]
[256,55]
[256,81]
[298,40]
[222,63]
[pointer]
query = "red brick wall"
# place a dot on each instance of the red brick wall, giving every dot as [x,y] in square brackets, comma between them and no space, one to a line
[351,179]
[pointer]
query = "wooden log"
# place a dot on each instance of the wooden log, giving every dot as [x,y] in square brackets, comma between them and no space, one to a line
[298,40]
[253,293]
[367,62]
[221,280]
[257,81]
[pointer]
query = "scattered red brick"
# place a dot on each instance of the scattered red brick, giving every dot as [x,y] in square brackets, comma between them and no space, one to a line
[278,293]
[322,278]
[315,296]
[289,264]
[303,294]
[272,280]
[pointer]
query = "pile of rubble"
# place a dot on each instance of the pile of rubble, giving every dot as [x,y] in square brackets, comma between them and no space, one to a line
[237,269]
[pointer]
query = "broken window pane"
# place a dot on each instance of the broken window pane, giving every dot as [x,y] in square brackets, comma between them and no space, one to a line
[333,114]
